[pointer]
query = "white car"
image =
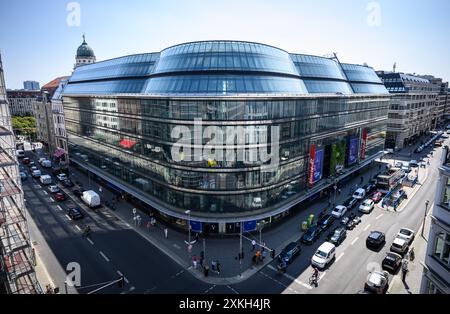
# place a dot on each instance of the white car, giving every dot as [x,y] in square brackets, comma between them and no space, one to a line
[398,164]
[324,255]
[40,160]
[54,188]
[62,177]
[378,282]
[414,163]
[359,194]
[367,206]
[400,246]
[257,202]
[339,211]
[407,234]
[36,173]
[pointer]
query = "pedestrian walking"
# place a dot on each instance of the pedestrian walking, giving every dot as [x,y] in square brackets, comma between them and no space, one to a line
[194,261]
[202,257]
[361,180]
[404,269]
[148,225]
[253,245]
[218,267]
[165,232]
[339,191]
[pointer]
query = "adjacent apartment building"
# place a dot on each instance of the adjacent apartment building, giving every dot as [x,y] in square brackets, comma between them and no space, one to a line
[126,116]
[436,274]
[31,85]
[413,109]
[21,101]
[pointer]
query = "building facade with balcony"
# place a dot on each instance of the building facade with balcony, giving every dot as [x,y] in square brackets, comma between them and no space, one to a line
[413,111]
[187,127]
[436,274]
[21,102]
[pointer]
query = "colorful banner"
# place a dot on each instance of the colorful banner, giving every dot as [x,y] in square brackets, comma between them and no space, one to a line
[353,151]
[364,144]
[337,159]
[312,158]
[318,165]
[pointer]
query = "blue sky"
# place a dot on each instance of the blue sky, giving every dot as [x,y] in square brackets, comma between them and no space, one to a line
[37,43]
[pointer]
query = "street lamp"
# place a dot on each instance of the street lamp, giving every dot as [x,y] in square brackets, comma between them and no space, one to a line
[425,216]
[188,212]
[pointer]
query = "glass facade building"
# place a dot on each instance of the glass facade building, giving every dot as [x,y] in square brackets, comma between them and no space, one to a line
[121,116]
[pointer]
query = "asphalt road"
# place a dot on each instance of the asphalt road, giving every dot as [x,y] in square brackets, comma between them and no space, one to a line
[114,249]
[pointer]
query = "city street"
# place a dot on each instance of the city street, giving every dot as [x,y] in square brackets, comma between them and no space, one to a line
[114,249]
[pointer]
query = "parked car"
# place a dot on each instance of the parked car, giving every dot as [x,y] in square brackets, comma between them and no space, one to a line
[26,161]
[311,234]
[400,246]
[31,164]
[40,160]
[339,211]
[46,179]
[46,163]
[376,197]
[91,198]
[68,183]
[378,282]
[33,168]
[376,240]
[257,202]
[398,164]
[359,194]
[54,189]
[406,168]
[59,196]
[369,187]
[324,255]
[75,213]
[351,221]
[289,252]
[61,177]
[367,206]
[350,202]
[414,163]
[339,235]
[325,221]
[407,234]
[392,262]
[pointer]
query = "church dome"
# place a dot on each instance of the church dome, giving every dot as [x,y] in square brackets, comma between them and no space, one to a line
[85,51]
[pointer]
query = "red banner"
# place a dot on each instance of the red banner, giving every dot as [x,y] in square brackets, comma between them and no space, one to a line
[312,156]
[363,143]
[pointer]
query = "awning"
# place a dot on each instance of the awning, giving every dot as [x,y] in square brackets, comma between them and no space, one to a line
[126,143]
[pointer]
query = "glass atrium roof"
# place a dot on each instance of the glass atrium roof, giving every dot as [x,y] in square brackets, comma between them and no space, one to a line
[222,68]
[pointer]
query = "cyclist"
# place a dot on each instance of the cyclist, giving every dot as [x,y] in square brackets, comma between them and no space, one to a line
[315,276]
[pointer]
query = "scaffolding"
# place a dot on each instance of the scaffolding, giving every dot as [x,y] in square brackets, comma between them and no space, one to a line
[17,260]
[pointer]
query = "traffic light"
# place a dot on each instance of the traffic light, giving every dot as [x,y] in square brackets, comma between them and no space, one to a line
[121,282]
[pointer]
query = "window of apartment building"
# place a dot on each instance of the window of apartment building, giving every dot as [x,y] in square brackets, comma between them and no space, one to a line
[446,193]
[432,288]
[441,249]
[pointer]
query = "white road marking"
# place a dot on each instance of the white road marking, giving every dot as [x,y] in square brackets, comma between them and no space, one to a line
[126,280]
[79,229]
[51,199]
[291,278]
[209,289]
[354,241]
[232,290]
[107,259]
[59,207]
[128,225]
[119,273]
[323,275]
[278,282]
[90,241]
[67,216]
[176,246]
[45,192]
[379,216]
[339,257]
[367,227]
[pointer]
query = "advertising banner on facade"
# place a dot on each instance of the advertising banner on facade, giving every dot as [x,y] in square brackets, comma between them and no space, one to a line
[337,158]
[318,165]
[364,143]
[353,151]
[196,226]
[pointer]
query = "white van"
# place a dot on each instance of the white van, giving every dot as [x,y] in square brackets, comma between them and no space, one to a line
[91,198]
[359,194]
[36,173]
[324,255]
[46,179]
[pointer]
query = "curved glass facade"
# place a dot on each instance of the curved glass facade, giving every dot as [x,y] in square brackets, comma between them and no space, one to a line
[124,116]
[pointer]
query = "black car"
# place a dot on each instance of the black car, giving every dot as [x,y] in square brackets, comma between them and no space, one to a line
[75,213]
[325,221]
[68,183]
[392,262]
[370,187]
[338,236]
[350,202]
[376,240]
[289,252]
[79,192]
[311,234]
